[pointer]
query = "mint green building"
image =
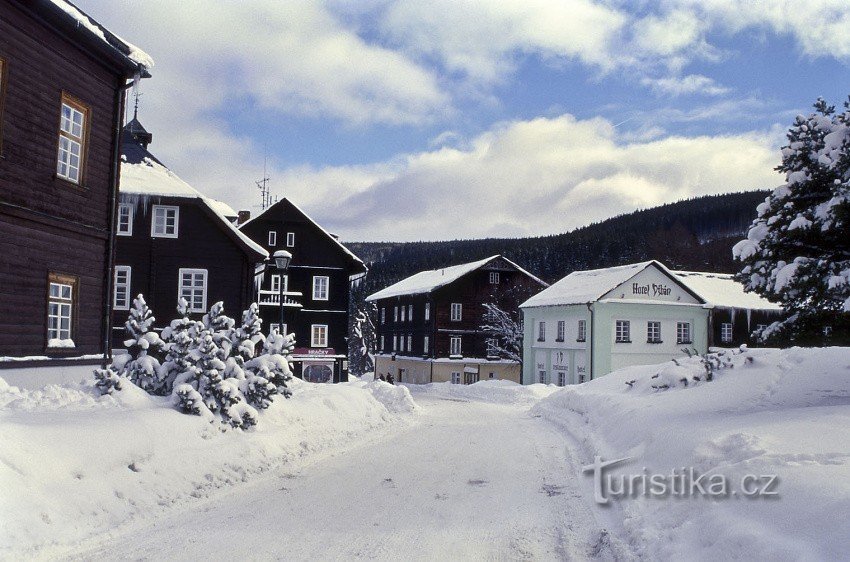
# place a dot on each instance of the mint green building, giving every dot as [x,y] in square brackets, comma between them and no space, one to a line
[593,322]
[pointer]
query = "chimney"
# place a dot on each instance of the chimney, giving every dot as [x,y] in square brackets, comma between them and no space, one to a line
[242,217]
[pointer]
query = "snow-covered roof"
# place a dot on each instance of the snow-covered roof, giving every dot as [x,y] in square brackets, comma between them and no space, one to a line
[149,178]
[223,208]
[428,281]
[332,237]
[580,287]
[721,289]
[125,48]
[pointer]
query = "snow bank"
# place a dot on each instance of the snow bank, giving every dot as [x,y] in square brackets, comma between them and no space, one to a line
[774,412]
[495,391]
[75,465]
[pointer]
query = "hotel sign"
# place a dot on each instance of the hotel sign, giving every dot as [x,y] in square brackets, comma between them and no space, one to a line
[651,290]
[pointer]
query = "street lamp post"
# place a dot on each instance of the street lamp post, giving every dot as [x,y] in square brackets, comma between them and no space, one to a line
[281,261]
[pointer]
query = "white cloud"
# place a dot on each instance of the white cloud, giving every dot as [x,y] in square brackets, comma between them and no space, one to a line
[685,85]
[542,176]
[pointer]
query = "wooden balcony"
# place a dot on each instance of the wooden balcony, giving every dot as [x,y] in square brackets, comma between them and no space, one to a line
[272,298]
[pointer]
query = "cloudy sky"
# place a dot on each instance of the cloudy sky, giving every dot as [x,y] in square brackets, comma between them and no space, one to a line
[439,119]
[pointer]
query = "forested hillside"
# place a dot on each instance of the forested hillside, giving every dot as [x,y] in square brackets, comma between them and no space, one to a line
[695,234]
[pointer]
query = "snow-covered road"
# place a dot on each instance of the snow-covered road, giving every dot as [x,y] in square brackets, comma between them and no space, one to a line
[468,480]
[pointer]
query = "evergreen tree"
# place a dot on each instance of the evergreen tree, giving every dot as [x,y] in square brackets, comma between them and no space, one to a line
[273,365]
[143,344]
[180,337]
[797,251]
[249,335]
[361,348]
[504,329]
[220,327]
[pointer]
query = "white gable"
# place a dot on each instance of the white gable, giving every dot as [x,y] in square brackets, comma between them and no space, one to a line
[651,284]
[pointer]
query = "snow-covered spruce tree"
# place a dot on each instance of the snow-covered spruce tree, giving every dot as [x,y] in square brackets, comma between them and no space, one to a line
[797,251]
[361,348]
[273,363]
[505,330]
[180,338]
[204,390]
[259,390]
[143,345]
[221,328]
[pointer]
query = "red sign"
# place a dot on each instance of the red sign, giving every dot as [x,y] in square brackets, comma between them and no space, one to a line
[321,352]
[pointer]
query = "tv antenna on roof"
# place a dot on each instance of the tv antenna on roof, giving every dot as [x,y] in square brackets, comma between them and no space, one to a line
[263,186]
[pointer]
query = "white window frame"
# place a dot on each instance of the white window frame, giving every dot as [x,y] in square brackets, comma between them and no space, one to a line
[125,210]
[456,345]
[582,331]
[427,311]
[562,378]
[275,328]
[60,307]
[455,377]
[71,151]
[426,345]
[494,277]
[383,315]
[683,333]
[320,330]
[622,331]
[653,331]
[562,330]
[395,314]
[116,285]
[272,238]
[410,313]
[276,279]
[726,332]
[290,239]
[382,343]
[193,288]
[403,313]
[409,343]
[317,293]
[165,209]
[541,331]
[395,342]
[457,312]
[543,376]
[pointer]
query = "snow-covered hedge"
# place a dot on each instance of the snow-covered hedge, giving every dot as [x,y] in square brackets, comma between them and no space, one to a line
[211,368]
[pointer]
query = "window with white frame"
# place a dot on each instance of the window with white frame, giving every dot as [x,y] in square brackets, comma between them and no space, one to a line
[395,314]
[60,307]
[426,345]
[164,221]
[726,332]
[403,313]
[72,140]
[457,311]
[427,311]
[541,376]
[121,296]
[455,345]
[582,330]
[541,331]
[382,343]
[276,280]
[193,288]
[562,379]
[383,315]
[272,238]
[409,343]
[683,332]
[653,332]
[319,335]
[455,377]
[494,277]
[395,343]
[410,312]
[125,220]
[562,328]
[320,288]
[275,328]
[623,331]
[290,239]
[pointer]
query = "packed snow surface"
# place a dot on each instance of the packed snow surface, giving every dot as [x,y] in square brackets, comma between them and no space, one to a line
[721,289]
[487,471]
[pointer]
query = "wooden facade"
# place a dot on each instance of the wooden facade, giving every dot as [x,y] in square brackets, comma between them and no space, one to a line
[317,289]
[203,242]
[56,211]
[422,324]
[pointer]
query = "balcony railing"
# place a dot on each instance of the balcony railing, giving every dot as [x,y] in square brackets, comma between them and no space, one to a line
[272,298]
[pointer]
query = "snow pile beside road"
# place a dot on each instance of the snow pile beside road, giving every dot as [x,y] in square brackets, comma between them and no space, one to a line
[784,413]
[493,391]
[75,465]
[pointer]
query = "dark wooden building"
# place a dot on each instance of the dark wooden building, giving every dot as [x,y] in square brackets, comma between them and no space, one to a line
[735,315]
[62,83]
[316,289]
[173,241]
[429,325]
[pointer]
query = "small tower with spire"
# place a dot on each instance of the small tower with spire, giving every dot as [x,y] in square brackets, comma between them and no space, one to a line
[135,128]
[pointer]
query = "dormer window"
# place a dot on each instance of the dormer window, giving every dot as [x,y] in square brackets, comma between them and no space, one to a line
[272,238]
[164,221]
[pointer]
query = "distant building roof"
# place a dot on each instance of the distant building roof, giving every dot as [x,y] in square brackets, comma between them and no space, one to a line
[721,289]
[144,176]
[428,281]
